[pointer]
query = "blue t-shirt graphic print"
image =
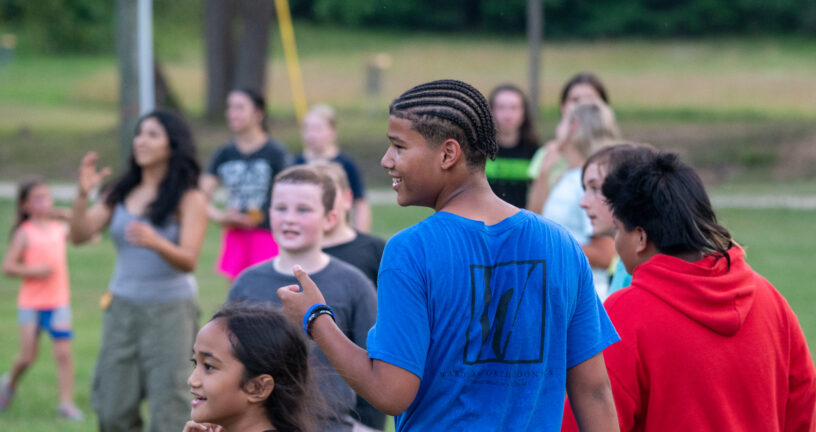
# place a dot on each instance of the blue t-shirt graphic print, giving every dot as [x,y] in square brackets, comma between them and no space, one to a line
[507,311]
[489,317]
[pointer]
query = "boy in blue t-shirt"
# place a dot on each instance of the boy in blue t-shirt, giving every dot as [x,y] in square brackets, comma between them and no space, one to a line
[486,313]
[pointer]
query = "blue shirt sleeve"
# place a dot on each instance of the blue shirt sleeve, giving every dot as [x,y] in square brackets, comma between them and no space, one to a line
[589,330]
[402,334]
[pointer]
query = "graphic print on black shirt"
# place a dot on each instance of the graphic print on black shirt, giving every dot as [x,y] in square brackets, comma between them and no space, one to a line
[248,182]
[507,311]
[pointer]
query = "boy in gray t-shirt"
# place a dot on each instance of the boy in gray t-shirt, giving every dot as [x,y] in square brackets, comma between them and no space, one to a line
[302,202]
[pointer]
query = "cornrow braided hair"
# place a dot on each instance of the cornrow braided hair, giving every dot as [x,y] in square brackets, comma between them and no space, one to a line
[445,109]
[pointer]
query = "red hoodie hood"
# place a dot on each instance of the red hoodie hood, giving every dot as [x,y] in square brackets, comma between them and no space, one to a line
[707,291]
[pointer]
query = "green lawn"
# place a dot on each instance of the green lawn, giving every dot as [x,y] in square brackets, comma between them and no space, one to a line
[34,408]
[779,244]
[729,100]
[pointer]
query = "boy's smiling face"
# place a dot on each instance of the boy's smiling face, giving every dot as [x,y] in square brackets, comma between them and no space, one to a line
[411,164]
[298,217]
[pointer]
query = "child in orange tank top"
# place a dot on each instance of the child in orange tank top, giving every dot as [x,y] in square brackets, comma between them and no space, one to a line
[37,256]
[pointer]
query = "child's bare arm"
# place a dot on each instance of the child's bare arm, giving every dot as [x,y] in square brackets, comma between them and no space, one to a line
[13,261]
[388,388]
[590,396]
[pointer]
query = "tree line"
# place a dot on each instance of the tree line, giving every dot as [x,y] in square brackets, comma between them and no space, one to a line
[86,25]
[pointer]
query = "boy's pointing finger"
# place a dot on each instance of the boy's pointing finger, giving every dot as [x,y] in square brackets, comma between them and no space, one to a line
[304,280]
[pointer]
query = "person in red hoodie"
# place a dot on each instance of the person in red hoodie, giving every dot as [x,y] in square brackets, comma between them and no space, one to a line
[707,344]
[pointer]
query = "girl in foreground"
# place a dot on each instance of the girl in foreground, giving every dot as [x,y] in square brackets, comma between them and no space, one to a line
[250,374]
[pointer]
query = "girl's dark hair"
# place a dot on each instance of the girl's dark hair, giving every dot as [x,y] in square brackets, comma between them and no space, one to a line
[258,101]
[617,153]
[584,78]
[23,190]
[527,133]
[445,109]
[182,172]
[265,342]
[666,198]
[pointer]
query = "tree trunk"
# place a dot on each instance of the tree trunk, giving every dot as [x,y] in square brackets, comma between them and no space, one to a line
[165,98]
[218,16]
[252,53]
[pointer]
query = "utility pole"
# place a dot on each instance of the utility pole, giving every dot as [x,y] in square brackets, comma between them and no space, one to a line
[147,85]
[127,58]
[535,18]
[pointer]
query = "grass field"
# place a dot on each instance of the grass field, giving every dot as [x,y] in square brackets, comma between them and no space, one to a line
[731,103]
[742,109]
[779,244]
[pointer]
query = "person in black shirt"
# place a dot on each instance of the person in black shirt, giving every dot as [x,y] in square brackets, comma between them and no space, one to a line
[361,250]
[245,168]
[515,134]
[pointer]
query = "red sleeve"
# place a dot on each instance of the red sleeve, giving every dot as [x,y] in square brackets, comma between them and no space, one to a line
[800,412]
[625,369]
[568,424]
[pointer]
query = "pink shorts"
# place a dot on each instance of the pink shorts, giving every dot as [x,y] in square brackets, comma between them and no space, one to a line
[243,248]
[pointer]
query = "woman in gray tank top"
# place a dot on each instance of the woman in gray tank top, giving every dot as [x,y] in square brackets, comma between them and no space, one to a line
[157,219]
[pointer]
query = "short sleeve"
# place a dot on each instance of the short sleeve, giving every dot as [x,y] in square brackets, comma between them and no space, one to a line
[216,161]
[589,330]
[365,310]
[355,178]
[237,291]
[280,158]
[402,333]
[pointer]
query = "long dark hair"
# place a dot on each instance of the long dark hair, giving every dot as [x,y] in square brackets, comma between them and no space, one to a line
[23,190]
[266,343]
[182,172]
[666,198]
[258,102]
[527,134]
[584,78]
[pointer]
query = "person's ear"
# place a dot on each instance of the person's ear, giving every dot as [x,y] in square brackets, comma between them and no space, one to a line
[451,152]
[643,240]
[348,197]
[259,388]
[330,220]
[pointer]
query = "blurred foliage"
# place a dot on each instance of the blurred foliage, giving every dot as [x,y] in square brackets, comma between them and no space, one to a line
[574,18]
[60,25]
[84,26]
[87,25]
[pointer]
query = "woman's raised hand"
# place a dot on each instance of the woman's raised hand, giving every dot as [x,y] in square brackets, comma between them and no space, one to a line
[89,177]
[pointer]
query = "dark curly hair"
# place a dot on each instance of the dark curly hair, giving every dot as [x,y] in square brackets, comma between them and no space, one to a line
[666,198]
[182,172]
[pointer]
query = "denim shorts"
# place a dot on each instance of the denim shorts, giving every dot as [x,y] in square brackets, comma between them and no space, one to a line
[57,321]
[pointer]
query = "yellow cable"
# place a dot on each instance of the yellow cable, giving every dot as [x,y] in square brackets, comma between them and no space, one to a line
[290,51]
